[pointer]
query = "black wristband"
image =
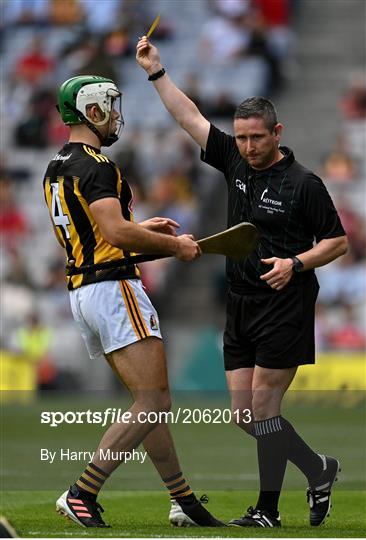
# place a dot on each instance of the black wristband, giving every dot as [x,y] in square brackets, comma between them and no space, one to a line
[157,75]
[297,265]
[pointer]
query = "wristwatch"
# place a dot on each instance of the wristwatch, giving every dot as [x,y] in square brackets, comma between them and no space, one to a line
[297,265]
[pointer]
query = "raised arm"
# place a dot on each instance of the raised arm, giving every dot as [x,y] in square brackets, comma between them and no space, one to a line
[183,110]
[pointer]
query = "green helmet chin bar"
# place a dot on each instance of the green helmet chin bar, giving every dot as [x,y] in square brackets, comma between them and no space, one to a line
[77,93]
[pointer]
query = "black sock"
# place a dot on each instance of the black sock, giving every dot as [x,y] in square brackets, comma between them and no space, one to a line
[268,500]
[272,446]
[301,455]
[76,491]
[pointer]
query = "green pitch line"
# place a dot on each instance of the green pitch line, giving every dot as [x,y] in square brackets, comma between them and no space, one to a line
[144,514]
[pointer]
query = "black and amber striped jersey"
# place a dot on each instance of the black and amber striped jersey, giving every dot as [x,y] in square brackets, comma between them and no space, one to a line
[77,176]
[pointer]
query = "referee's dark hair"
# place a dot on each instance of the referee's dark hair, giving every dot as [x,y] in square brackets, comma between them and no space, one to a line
[258,107]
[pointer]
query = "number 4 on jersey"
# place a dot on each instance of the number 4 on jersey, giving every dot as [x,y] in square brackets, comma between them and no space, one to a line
[59,218]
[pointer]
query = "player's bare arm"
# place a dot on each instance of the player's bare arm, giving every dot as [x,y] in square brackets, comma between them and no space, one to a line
[161,225]
[183,110]
[133,237]
[326,251]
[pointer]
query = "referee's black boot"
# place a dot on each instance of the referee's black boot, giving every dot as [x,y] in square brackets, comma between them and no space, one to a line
[256,518]
[189,512]
[318,494]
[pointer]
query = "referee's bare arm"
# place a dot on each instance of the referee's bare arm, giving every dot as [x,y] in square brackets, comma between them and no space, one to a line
[326,251]
[130,236]
[183,110]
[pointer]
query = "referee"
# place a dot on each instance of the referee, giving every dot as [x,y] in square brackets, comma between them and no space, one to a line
[272,293]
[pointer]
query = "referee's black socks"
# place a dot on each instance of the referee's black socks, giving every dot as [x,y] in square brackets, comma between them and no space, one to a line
[277,442]
[272,448]
[301,455]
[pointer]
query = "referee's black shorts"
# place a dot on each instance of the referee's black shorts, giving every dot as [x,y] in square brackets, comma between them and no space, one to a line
[273,330]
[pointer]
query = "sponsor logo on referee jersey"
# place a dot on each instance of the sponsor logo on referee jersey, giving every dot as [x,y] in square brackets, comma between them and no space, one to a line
[266,200]
[240,185]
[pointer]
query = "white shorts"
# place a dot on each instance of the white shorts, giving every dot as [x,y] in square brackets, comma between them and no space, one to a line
[113,314]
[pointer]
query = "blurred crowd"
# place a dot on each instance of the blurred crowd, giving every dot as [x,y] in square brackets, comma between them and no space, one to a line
[43,42]
[341,307]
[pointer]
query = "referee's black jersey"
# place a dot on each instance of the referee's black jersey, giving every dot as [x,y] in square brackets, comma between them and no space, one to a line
[288,204]
[77,176]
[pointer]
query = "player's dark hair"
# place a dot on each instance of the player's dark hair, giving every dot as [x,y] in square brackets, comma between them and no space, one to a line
[258,107]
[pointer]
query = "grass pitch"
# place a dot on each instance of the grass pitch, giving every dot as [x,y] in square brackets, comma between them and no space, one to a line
[219,460]
[144,514]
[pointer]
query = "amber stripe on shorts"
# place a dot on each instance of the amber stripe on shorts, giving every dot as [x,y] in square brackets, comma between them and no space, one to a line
[133,310]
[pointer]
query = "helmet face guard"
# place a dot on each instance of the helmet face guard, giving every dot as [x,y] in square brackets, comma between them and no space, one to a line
[111,137]
[77,93]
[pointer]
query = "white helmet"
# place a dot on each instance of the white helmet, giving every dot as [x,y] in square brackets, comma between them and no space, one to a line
[77,93]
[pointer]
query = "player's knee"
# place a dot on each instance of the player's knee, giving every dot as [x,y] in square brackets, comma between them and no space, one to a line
[156,401]
[165,402]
